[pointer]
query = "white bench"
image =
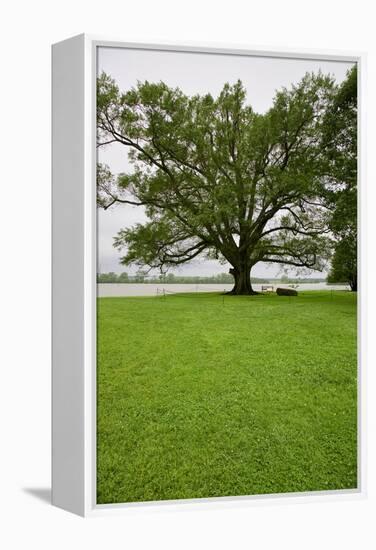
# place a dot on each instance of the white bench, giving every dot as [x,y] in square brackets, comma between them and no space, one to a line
[267,288]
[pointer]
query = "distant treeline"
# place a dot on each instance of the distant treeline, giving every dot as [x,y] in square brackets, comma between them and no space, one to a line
[170,278]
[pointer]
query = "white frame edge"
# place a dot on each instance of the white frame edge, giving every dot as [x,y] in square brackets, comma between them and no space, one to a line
[74,279]
[68,321]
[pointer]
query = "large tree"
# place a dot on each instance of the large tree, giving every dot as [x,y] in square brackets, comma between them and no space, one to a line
[340,141]
[217,179]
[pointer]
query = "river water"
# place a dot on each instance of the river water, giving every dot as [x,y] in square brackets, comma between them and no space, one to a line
[129,289]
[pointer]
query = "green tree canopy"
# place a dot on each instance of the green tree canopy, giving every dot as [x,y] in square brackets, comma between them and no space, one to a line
[344,265]
[340,139]
[218,179]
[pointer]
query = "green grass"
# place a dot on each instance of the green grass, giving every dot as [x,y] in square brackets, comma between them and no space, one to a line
[203,396]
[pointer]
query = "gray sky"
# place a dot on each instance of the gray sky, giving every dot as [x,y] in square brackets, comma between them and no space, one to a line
[193,73]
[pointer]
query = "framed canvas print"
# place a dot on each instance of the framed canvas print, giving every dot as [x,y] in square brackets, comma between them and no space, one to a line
[206,250]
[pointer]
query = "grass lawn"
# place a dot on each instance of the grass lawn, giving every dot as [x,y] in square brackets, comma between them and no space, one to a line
[201,395]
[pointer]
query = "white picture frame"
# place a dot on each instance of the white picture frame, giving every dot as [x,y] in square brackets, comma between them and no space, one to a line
[74,276]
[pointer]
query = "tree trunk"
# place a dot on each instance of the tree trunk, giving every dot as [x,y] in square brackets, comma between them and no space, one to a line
[242,284]
[354,284]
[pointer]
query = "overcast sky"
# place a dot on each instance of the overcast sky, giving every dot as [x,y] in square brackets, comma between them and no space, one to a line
[193,73]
